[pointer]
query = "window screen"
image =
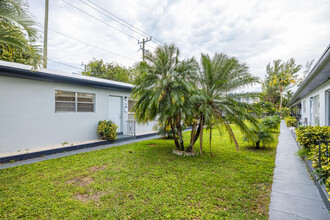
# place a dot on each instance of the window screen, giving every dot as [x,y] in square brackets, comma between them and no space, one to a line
[74,101]
[85,102]
[65,101]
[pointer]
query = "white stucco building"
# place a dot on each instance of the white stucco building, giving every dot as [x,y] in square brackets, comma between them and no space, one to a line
[312,98]
[44,108]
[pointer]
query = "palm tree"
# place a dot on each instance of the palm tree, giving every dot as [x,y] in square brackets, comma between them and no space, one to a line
[163,89]
[218,76]
[17,29]
[283,74]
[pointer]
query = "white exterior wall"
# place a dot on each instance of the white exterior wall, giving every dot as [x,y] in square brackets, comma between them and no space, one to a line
[28,119]
[321,91]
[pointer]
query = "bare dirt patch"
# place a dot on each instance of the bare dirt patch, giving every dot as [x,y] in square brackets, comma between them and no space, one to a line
[88,197]
[152,145]
[97,168]
[81,181]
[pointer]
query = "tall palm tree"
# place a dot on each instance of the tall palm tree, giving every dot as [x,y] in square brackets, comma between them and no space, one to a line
[162,89]
[17,29]
[218,76]
[283,74]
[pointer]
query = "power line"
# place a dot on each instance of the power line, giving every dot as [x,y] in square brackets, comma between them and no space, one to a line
[92,45]
[64,64]
[99,20]
[137,30]
[125,57]
[127,26]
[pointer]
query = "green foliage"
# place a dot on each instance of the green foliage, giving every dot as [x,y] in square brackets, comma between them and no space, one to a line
[143,180]
[266,108]
[18,34]
[107,130]
[261,136]
[303,152]
[164,131]
[290,121]
[279,76]
[285,112]
[322,171]
[307,136]
[271,122]
[111,71]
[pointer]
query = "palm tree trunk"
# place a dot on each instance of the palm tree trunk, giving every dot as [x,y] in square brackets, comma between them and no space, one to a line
[179,128]
[233,136]
[197,134]
[175,138]
[201,135]
[192,137]
[258,144]
[211,139]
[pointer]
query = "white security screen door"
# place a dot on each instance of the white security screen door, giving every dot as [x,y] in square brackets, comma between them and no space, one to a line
[115,111]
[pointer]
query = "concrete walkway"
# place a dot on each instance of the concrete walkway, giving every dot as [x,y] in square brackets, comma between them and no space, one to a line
[294,195]
[64,154]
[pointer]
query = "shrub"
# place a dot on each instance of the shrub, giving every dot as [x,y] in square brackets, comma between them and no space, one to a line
[271,122]
[107,130]
[260,136]
[309,135]
[267,108]
[290,121]
[322,171]
[285,112]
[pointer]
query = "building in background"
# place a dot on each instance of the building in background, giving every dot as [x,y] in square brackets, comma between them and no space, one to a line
[45,108]
[312,98]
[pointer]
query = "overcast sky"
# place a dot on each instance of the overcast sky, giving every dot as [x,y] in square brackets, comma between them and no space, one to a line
[256,32]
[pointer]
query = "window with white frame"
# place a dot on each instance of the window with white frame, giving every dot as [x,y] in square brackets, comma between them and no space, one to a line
[304,106]
[317,110]
[66,101]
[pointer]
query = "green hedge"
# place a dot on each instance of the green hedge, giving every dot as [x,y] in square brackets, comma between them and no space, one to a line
[290,121]
[309,135]
[107,130]
[322,171]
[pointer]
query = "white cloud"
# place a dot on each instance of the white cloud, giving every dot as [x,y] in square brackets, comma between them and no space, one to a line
[257,32]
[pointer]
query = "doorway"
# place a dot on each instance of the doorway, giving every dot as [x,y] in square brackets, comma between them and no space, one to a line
[116,111]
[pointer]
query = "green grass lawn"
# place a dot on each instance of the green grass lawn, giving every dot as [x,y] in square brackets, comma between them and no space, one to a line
[143,181]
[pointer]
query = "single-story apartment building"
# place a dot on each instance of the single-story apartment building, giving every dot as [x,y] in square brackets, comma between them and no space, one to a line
[312,98]
[45,108]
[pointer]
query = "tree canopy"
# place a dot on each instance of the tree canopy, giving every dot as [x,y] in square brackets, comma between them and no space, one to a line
[18,34]
[279,76]
[185,92]
[111,71]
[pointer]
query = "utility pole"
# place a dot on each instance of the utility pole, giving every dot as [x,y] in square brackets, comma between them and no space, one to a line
[142,47]
[82,64]
[44,58]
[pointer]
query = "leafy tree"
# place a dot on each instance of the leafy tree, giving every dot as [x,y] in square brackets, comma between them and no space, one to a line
[111,71]
[18,35]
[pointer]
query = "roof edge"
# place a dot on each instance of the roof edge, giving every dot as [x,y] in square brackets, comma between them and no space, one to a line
[26,73]
[316,69]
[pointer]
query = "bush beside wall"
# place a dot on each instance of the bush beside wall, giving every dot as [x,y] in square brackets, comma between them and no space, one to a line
[107,130]
[308,136]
